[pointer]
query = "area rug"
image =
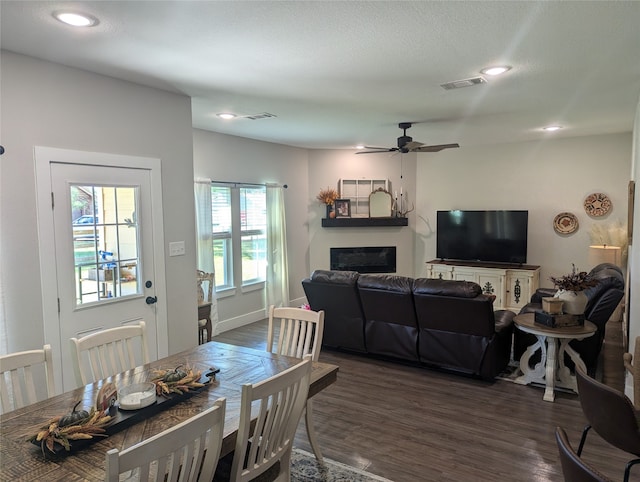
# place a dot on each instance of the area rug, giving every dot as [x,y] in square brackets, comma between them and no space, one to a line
[305,468]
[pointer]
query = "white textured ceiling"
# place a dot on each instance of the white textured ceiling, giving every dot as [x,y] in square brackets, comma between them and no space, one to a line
[339,73]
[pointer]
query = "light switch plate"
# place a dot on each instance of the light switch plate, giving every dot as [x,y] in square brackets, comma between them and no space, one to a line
[176,248]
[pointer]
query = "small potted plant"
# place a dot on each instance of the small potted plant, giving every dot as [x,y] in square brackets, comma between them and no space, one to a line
[571,290]
[327,197]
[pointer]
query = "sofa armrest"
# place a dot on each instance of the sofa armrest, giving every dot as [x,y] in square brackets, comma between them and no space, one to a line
[542,293]
[504,320]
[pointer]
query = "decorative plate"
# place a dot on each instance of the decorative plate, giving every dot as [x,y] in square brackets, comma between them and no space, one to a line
[565,223]
[597,204]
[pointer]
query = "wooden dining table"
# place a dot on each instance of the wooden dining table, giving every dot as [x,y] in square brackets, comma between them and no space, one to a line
[22,460]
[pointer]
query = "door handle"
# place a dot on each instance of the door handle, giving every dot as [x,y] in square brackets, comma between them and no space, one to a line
[151,300]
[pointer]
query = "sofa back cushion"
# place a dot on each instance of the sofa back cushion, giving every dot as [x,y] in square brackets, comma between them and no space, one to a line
[336,293]
[453,306]
[387,298]
[391,328]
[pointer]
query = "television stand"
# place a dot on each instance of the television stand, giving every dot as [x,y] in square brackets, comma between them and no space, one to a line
[512,284]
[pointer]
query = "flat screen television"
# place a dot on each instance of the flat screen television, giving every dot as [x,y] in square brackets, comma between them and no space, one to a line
[486,236]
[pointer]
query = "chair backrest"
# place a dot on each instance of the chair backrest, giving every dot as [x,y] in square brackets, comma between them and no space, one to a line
[300,332]
[108,352]
[609,412]
[17,386]
[574,468]
[189,450]
[280,401]
[207,279]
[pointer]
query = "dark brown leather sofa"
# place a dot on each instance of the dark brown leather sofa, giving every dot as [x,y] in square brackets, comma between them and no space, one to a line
[439,323]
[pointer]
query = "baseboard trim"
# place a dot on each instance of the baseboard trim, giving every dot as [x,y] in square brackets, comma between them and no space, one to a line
[238,321]
[248,318]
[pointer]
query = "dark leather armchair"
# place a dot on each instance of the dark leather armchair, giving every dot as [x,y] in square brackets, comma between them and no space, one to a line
[336,293]
[459,329]
[391,328]
[603,299]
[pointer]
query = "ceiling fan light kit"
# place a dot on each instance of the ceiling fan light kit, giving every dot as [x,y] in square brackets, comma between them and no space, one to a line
[406,144]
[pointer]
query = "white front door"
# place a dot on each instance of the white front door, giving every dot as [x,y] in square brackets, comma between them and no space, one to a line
[104,253]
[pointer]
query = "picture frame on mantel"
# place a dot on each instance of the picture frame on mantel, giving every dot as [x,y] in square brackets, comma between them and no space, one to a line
[342,208]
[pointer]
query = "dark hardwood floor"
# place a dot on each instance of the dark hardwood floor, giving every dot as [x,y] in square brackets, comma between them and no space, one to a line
[413,424]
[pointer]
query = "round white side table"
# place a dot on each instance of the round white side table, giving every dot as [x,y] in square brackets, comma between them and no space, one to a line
[552,343]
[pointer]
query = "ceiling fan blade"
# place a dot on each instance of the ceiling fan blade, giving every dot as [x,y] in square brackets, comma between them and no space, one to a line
[378,150]
[436,148]
[413,145]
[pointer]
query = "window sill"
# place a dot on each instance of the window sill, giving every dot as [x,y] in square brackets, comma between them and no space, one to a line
[225,292]
[253,287]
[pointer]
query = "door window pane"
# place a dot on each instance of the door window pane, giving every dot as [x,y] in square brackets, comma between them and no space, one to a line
[105,242]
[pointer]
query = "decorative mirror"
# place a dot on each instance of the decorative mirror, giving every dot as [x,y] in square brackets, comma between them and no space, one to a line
[380,204]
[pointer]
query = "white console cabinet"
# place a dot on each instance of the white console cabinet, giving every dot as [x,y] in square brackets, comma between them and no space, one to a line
[512,285]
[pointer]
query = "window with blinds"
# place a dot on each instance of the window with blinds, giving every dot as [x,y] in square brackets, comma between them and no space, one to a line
[253,236]
[239,220]
[222,236]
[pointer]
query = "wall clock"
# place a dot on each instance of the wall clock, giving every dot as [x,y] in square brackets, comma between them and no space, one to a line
[597,204]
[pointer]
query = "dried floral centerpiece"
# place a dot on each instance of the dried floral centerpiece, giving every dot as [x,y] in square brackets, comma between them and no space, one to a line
[571,290]
[575,281]
[76,425]
[176,380]
[327,197]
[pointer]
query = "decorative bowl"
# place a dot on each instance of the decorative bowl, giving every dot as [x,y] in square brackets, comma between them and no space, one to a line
[137,396]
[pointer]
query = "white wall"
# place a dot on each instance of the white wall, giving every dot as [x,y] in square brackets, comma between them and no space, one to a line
[47,104]
[633,306]
[326,167]
[545,178]
[222,157]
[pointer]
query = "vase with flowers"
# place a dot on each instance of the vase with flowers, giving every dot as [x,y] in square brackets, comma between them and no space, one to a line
[571,290]
[327,197]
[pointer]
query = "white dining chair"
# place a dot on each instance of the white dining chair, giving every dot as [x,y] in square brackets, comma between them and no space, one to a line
[300,333]
[188,451]
[17,385]
[278,403]
[108,352]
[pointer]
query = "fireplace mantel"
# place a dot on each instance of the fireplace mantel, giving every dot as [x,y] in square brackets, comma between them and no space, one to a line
[363,222]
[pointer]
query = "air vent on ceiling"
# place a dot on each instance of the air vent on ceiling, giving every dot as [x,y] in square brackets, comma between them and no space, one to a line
[459,84]
[263,115]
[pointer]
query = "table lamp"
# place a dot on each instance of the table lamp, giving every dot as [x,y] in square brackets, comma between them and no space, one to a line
[604,254]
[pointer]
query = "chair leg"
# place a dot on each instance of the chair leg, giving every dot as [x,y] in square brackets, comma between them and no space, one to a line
[311,431]
[583,439]
[627,469]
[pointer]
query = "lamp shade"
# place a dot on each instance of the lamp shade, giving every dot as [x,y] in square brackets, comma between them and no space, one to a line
[604,254]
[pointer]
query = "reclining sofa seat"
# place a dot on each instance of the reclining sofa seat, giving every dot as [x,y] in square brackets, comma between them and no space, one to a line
[603,299]
[391,328]
[336,293]
[459,329]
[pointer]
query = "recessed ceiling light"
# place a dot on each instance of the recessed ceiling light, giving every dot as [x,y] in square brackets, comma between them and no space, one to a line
[359,146]
[552,128]
[496,70]
[226,115]
[76,19]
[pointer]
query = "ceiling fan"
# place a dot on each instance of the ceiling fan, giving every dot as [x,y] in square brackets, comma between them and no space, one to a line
[407,144]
